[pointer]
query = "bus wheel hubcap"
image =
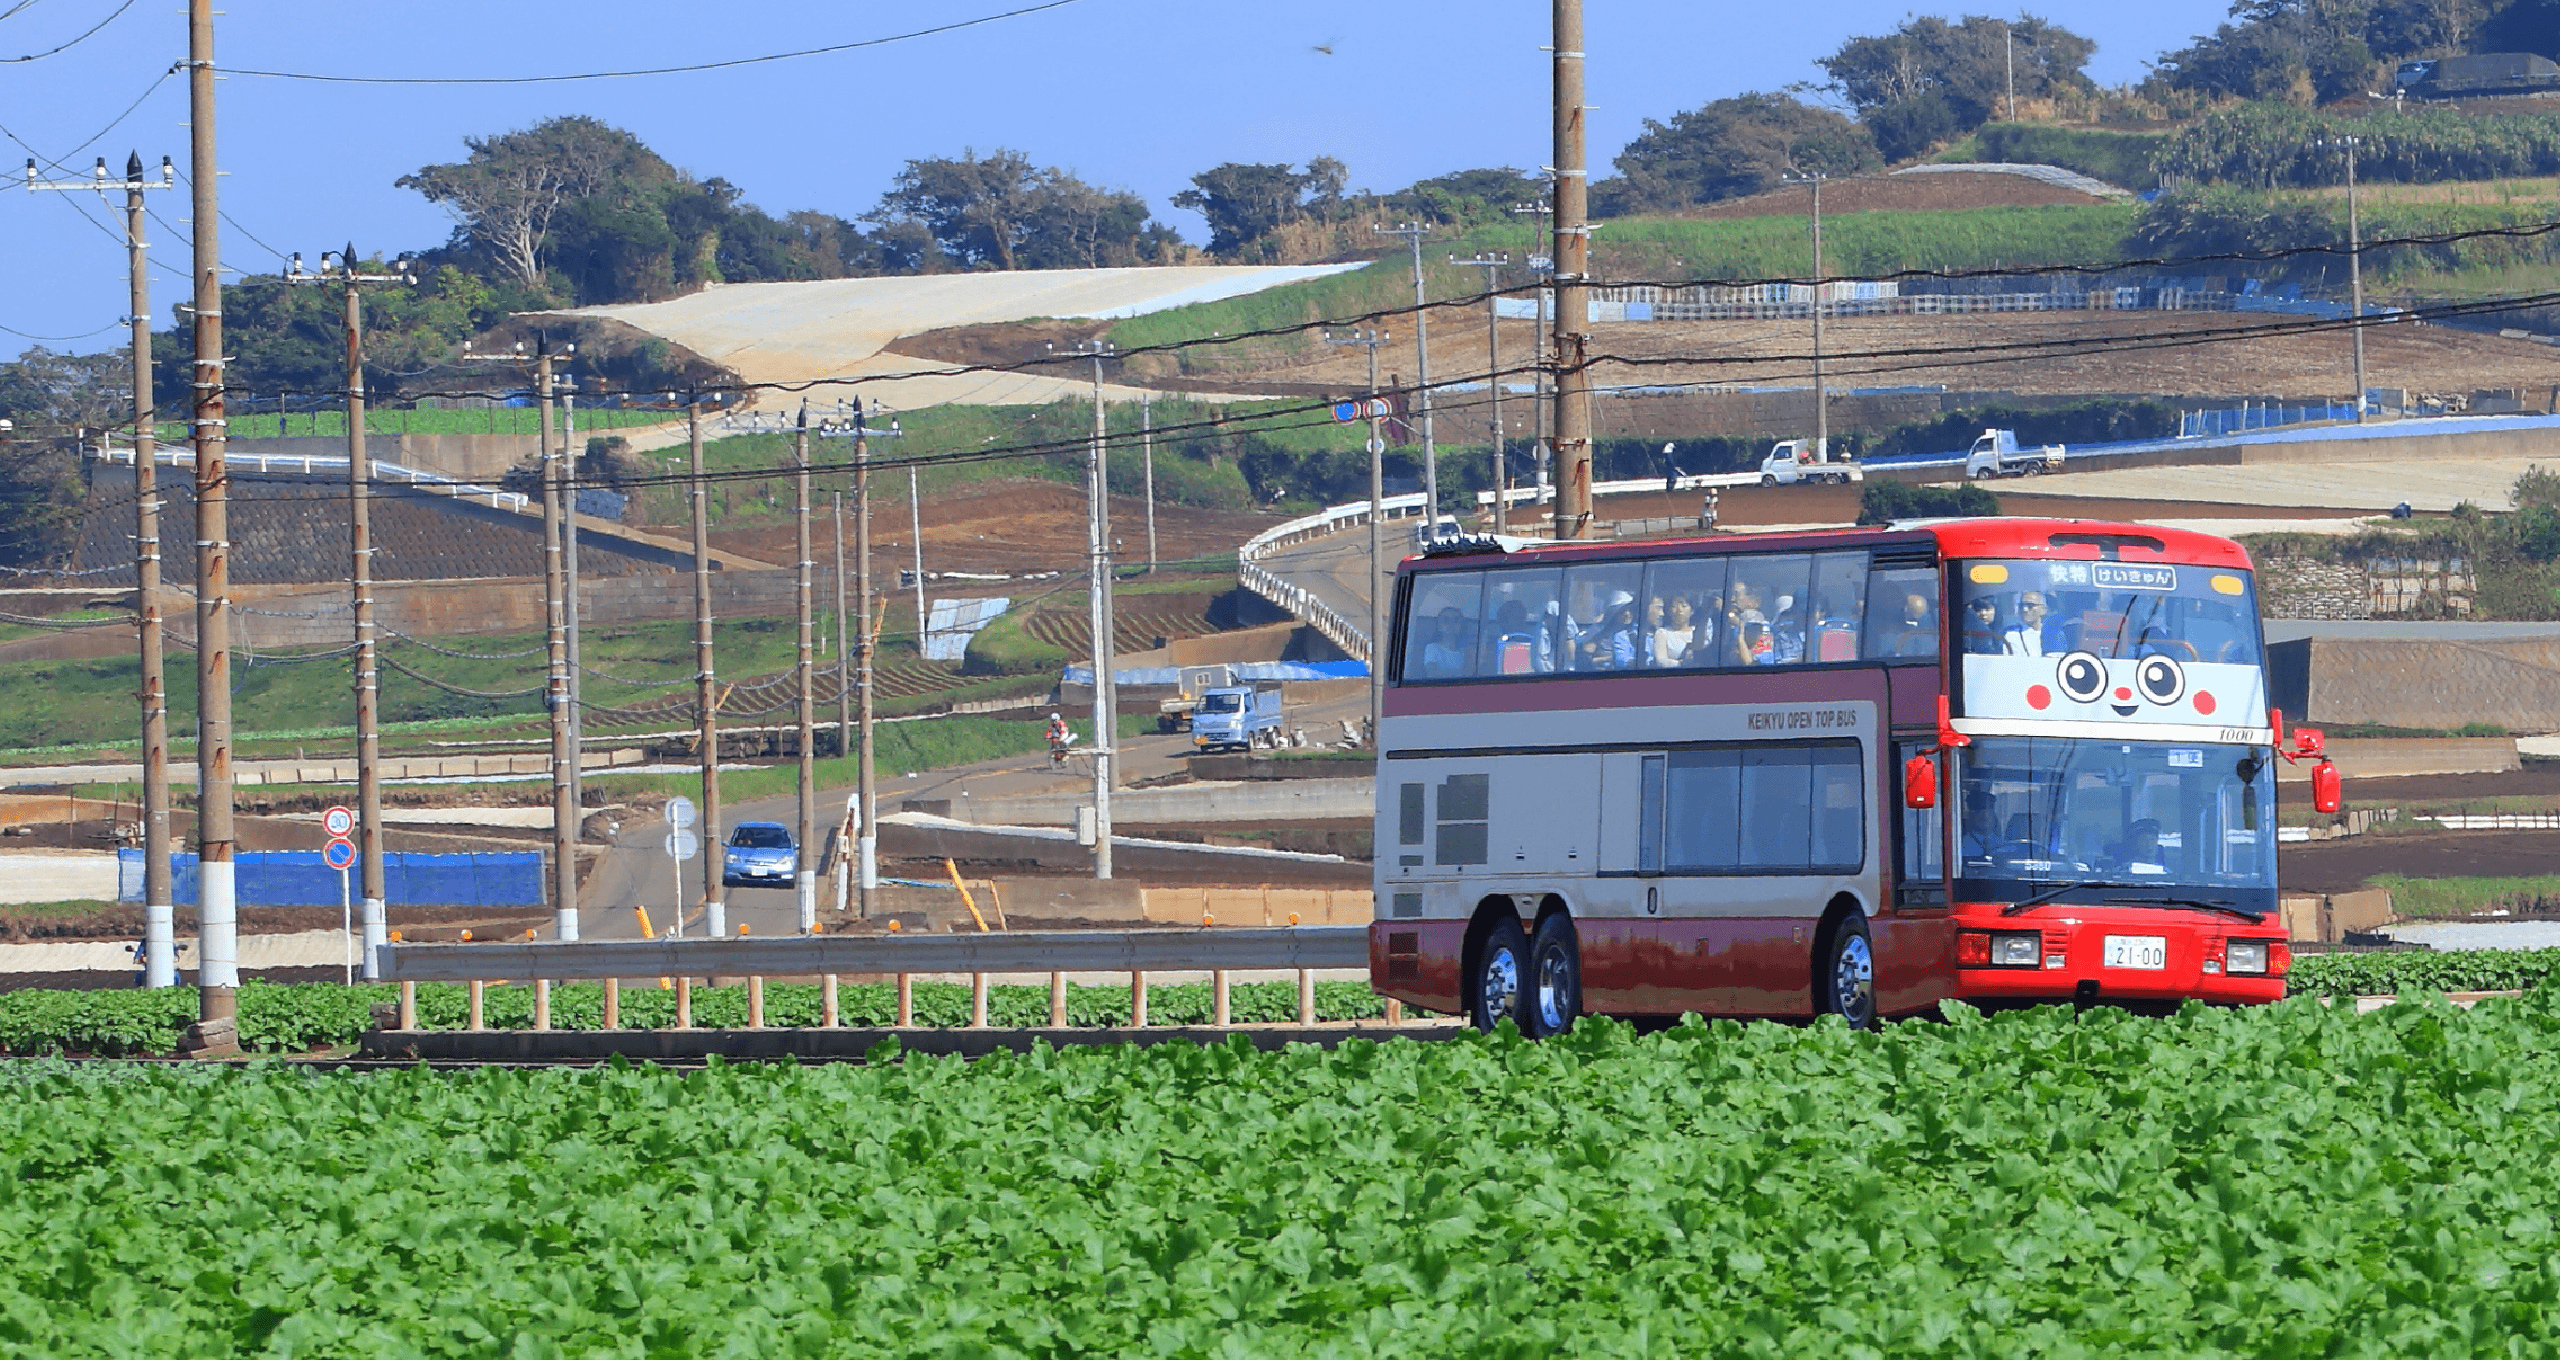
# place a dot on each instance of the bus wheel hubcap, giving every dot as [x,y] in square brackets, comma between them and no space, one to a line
[1853,980]
[1555,979]
[1501,984]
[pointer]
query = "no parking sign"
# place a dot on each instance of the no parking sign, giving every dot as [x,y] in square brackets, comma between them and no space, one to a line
[339,853]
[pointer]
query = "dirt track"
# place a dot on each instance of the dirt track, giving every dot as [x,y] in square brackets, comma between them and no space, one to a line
[1014,526]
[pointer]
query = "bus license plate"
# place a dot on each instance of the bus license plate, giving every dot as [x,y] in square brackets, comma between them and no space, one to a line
[2137,951]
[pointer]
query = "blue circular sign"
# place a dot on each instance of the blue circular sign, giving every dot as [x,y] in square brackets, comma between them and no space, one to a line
[339,853]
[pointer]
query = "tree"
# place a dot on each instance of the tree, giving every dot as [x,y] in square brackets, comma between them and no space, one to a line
[1002,212]
[2308,51]
[51,399]
[1244,203]
[1728,149]
[1929,79]
[1464,197]
[511,187]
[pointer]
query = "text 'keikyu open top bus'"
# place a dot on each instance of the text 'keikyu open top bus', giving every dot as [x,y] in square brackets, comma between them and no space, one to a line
[1852,771]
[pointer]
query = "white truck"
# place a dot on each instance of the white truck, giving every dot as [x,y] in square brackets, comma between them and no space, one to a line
[1807,460]
[1236,717]
[1190,682]
[1996,454]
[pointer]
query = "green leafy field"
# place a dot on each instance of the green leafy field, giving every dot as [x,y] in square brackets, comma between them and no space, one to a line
[2472,970]
[2295,1180]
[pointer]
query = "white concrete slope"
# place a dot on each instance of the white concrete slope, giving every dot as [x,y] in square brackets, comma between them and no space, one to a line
[838,328]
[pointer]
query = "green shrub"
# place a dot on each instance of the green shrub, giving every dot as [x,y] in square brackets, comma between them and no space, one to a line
[2124,159]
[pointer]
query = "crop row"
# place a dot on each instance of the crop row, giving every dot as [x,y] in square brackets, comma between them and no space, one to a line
[2389,974]
[2294,1179]
[294,1017]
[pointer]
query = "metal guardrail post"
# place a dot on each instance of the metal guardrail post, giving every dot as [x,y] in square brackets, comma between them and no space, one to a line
[684,1003]
[755,1003]
[1306,996]
[408,1005]
[829,1016]
[1058,1000]
[977,1001]
[541,1004]
[479,1016]
[906,1000]
[1218,1010]
[1137,1000]
[613,1003]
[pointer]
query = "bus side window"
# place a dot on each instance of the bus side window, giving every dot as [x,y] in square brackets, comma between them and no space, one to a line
[1839,603]
[1519,629]
[1702,809]
[1601,617]
[1440,632]
[1768,606]
[1689,595]
[1902,613]
[1922,866]
[1649,817]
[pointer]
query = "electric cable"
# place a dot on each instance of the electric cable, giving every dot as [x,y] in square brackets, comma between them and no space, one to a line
[651,71]
[75,42]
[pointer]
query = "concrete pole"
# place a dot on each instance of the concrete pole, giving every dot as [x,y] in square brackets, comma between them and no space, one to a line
[368,677]
[706,688]
[218,940]
[868,866]
[1147,450]
[844,644]
[1098,581]
[159,914]
[915,536]
[1492,267]
[805,865]
[1821,391]
[564,754]
[569,594]
[2355,274]
[1573,274]
[1378,640]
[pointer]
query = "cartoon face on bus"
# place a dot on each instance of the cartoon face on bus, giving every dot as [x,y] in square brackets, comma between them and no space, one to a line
[2110,642]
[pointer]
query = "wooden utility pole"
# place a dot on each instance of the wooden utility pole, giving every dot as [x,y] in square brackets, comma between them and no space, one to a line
[159,914]
[706,688]
[844,646]
[804,866]
[218,914]
[360,595]
[866,842]
[1098,569]
[564,749]
[1573,276]
[1492,267]
[1413,232]
[1147,451]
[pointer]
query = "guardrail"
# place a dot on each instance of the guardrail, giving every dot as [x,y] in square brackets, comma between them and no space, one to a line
[311,465]
[1302,604]
[1218,950]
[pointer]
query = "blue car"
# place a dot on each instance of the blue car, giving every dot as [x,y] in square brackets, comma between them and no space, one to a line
[760,855]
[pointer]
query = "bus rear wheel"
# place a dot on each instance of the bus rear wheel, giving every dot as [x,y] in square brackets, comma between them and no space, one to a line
[1499,989]
[1555,977]
[1847,981]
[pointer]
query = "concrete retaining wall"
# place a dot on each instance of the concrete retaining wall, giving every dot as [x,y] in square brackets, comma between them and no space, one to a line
[2396,757]
[1258,801]
[2418,682]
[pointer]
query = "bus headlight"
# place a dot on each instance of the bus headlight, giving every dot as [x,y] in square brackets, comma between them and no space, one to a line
[2016,951]
[2247,956]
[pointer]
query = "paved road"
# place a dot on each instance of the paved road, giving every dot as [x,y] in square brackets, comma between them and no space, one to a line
[1334,568]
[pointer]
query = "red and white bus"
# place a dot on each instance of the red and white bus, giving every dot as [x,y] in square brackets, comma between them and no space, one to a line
[1706,775]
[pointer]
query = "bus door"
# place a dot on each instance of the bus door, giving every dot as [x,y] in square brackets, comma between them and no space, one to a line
[1915,940]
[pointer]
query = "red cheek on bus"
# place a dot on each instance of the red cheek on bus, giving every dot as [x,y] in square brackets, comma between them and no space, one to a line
[2204,703]
[2039,698]
[2123,694]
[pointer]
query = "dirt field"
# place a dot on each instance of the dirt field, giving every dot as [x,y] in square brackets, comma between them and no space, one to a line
[1940,191]
[1012,527]
[2342,865]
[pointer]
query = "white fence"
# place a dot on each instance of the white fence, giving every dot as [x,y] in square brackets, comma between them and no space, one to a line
[1302,604]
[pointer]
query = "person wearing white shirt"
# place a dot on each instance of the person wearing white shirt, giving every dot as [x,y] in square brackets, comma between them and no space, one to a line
[2026,636]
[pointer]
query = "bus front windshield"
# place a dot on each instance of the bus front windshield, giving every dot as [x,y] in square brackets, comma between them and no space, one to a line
[2146,820]
[2112,609]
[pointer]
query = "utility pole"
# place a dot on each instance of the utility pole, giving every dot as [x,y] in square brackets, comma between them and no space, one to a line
[159,913]
[1821,393]
[564,751]
[844,646]
[218,913]
[1413,232]
[1492,267]
[1370,339]
[1572,255]
[804,868]
[1147,451]
[2355,269]
[1098,579]
[706,687]
[868,865]
[1539,431]
[351,276]
[569,452]
[2009,46]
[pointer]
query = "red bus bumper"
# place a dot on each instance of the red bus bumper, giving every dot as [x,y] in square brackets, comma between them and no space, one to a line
[1418,962]
[2072,955]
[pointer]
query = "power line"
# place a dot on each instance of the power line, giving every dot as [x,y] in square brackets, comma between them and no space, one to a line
[62,339]
[650,71]
[75,42]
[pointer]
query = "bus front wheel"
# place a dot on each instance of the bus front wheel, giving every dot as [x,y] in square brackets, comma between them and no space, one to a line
[1847,982]
[1499,989]
[1555,977]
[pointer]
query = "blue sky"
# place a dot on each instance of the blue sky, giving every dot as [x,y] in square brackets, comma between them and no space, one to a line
[1139,94]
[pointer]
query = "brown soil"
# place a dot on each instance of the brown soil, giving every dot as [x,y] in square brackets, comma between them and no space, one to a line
[119,922]
[1003,342]
[1942,191]
[1746,507]
[2343,865]
[2537,780]
[1017,526]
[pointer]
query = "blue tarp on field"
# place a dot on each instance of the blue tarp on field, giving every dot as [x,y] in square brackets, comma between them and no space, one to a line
[299,878]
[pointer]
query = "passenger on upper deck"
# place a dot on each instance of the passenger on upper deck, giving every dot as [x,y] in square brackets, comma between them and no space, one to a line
[1982,635]
[1444,656]
[1916,632]
[2026,636]
[1676,635]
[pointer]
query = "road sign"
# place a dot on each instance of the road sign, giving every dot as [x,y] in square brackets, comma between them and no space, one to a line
[339,822]
[680,812]
[683,844]
[339,853]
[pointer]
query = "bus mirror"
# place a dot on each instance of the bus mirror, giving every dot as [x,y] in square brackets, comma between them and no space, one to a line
[1920,783]
[2324,787]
